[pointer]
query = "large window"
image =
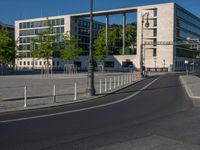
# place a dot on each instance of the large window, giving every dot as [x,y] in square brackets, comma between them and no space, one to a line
[188,17]
[53,22]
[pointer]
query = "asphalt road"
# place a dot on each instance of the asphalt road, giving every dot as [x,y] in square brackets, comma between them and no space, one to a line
[89,125]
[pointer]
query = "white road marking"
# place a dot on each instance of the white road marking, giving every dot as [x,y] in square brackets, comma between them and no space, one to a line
[82,109]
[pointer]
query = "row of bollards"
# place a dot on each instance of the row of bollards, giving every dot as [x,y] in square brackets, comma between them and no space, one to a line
[54,94]
[114,83]
[117,82]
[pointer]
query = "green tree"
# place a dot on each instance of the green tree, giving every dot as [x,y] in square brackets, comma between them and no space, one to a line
[68,48]
[43,45]
[7,47]
[131,34]
[114,41]
[100,51]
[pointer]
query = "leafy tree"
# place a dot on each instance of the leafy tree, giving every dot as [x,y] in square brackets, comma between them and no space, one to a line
[100,50]
[7,47]
[43,45]
[68,48]
[131,34]
[114,41]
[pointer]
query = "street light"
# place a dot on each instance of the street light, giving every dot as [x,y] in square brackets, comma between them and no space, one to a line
[142,44]
[90,91]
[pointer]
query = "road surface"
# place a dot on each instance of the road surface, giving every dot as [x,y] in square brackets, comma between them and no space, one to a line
[116,118]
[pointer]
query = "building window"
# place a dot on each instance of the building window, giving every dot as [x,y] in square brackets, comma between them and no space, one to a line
[109,64]
[155,12]
[28,63]
[58,63]
[155,32]
[154,52]
[20,63]
[155,22]
[154,42]
[24,63]
[127,64]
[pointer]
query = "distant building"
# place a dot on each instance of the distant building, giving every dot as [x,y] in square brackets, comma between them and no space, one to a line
[28,29]
[168,23]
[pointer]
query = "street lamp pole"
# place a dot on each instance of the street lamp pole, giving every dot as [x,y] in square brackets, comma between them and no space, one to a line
[90,91]
[142,43]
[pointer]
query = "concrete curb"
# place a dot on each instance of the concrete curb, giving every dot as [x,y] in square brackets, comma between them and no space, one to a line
[195,99]
[29,108]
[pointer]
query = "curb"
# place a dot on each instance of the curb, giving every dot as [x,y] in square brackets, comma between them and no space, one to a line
[189,92]
[31,108]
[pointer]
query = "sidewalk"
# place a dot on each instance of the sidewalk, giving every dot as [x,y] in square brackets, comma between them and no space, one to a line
[40,90]
[192,87]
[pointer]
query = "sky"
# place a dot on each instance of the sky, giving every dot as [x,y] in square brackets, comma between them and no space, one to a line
[11,10]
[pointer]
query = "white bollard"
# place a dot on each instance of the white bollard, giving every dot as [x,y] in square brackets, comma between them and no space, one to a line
[25,96]
[54,93]
[127,79]
[122,80]
[100,87]
[105,84]
[132,77]
[114,82]
[118,77]
[75,92]
[110,84]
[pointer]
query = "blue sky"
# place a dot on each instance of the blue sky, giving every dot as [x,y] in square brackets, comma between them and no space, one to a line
[11,10]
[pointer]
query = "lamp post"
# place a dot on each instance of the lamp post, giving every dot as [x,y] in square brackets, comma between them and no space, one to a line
[142,43]
[90,91]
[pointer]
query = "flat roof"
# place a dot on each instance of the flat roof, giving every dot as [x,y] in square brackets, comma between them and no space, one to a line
[112,11]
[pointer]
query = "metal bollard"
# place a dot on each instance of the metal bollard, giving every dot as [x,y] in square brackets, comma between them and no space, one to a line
[54,93]
[25,96]
[100,87]
[132,77]
[105,84]
[110,84]
[114,82]
[127,79]
[122,80]
[118,77]
[75,92]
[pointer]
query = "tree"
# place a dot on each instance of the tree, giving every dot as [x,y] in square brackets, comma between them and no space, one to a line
[68,48]
[114,41]
[100,50]
[43,45]
[7,47]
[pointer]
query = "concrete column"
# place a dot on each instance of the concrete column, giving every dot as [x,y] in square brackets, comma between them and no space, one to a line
[124,32]
[107,25]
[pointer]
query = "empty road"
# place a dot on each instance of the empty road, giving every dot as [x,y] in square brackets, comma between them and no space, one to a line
[115,118]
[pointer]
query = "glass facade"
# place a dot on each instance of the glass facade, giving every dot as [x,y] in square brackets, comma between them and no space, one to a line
[84,33]
[187,25]
[45,23]
[30,30]
[37,31]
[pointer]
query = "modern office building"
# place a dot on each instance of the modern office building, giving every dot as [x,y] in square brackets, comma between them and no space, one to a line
[26,30]
[162,30]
